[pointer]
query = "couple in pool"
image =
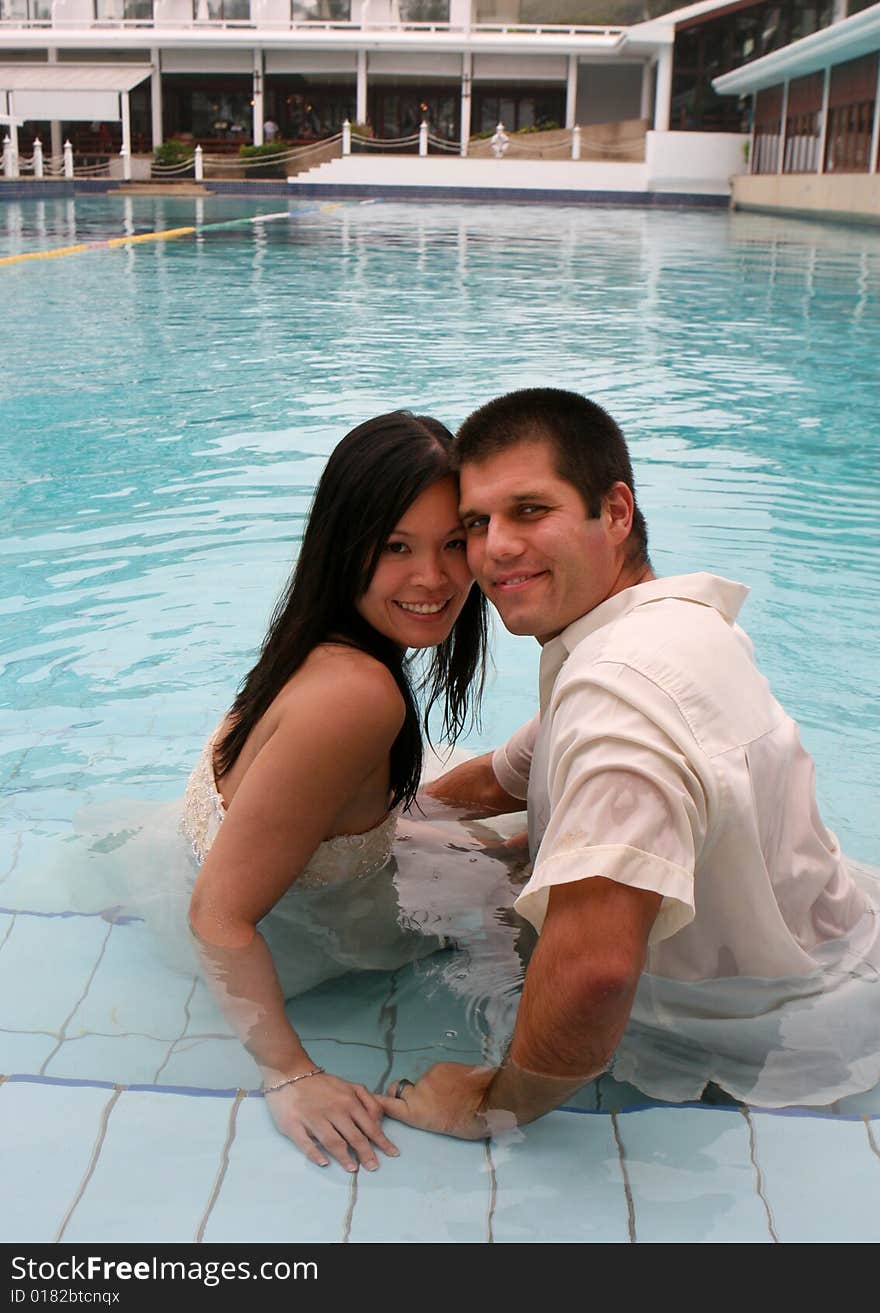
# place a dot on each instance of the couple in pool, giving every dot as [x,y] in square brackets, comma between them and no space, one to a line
[697,922]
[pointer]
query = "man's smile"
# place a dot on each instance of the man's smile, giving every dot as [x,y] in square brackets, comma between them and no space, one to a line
[515,582]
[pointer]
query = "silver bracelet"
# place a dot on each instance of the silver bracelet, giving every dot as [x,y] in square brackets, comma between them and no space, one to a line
[291,1080]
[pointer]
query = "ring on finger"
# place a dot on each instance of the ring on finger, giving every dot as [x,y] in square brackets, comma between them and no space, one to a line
[402,1086]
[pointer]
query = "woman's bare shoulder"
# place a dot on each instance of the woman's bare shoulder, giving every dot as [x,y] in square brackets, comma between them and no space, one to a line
[342,681]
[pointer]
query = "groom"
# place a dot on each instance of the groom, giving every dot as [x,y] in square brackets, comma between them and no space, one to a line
[691,906]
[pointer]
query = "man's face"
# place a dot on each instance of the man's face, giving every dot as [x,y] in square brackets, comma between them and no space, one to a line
[530,545]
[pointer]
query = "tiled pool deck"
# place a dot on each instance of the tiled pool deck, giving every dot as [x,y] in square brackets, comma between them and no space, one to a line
[127,1114]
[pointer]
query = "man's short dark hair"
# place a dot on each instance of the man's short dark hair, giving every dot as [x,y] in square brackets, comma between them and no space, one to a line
[589,449]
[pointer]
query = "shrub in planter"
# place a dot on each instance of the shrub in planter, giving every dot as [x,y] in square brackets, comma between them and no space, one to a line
[267,156]
[174,152]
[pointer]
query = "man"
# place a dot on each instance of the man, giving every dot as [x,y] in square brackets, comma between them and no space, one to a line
[697,922]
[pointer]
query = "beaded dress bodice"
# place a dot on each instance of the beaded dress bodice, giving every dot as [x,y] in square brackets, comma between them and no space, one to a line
[335,861]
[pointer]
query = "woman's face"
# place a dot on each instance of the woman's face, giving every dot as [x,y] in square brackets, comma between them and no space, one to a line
[422,579]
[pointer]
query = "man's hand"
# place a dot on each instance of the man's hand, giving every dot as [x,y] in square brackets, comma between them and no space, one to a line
[447,1100]
[471,788]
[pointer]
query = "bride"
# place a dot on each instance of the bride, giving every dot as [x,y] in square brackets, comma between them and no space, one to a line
[292,810]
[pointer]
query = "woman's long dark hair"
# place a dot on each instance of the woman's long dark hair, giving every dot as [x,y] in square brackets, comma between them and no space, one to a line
[371,479]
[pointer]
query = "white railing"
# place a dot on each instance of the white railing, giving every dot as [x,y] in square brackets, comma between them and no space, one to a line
[134,13]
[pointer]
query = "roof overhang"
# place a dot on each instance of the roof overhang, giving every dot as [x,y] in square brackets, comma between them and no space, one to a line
[849,39]
[68,92]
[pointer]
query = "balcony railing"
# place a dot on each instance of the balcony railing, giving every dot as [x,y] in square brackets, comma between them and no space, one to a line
[414,16]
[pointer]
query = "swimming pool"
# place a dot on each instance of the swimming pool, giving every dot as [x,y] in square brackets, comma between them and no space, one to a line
[166,410]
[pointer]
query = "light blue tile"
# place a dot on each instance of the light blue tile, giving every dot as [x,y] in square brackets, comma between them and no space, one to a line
[47,1135]
[348,1008]
[691,1176]
[6,923]
[132,991]
[272,1194]
[156,1170]
[45,968]
[821,1178]
[32,878]
[209,1063]
[861,1105]
[438,1190]
[24,1054]
[205,1017]
[122,1059]
[428,1016]
[618,1096]
[560,1180]
[43,809]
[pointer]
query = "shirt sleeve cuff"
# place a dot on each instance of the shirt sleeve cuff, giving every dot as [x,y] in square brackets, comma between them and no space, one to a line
[630,866]
[509,778]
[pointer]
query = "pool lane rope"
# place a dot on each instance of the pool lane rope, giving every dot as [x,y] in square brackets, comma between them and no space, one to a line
[165,235]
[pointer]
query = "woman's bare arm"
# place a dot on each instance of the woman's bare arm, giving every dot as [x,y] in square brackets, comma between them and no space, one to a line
[332,734]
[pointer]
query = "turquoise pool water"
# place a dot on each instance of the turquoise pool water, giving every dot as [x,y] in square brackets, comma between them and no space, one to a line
[166,410]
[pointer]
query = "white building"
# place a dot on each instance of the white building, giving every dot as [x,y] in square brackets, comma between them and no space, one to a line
[134,73]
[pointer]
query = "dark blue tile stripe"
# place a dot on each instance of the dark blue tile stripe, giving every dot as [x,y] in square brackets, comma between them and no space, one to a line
[194,1091]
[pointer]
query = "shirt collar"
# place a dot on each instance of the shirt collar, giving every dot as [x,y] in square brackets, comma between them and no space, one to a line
[723,595]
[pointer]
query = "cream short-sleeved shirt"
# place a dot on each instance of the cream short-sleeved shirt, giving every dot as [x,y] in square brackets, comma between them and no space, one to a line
[661,759]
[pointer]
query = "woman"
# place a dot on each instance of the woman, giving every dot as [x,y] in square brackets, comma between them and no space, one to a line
[293,806]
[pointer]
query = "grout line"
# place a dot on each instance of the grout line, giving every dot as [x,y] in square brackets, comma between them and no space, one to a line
[62,1032]
[174,1043]
[9,931]
[388,1013]
[627,1190]
[873,1143]
[349,1212]
[759,1179]
[240,1095]
[493,1191]
[19,840]
[93,1161]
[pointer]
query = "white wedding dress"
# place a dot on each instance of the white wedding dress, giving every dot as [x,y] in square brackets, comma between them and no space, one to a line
[400,892]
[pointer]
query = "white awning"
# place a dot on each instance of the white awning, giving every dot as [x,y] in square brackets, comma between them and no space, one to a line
[69,92]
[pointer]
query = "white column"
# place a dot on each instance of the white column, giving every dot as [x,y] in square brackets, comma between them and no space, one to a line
[823,122]
[360,113]
[663,93]
[780,162]
[875,132]
[752,168]
[571,92]
[55,143]
[466,70]
[126,137]
[647,81]
[259,115]
[13,140]
[156,96]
